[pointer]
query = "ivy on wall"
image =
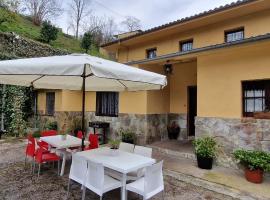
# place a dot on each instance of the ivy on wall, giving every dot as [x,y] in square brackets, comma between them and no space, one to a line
[17,109]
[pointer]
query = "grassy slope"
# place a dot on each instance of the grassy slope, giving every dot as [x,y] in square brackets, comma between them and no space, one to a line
[24,27]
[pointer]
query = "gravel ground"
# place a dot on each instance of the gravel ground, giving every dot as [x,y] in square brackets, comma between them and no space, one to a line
[17,182]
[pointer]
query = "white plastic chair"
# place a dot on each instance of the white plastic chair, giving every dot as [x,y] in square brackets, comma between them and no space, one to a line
[78,171]
[126,147]
[97,181]
[143,151]
[151,184]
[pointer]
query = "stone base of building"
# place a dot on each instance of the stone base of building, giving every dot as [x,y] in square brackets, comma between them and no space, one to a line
[231,134]
[147,127]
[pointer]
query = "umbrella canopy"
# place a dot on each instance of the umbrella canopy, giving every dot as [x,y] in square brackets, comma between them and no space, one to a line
[66,72]
[78,72]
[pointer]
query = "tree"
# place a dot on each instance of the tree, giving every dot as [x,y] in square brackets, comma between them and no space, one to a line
[131,23]
[42,10]
[102,29]
[87,41]
[48,32]
[78,11]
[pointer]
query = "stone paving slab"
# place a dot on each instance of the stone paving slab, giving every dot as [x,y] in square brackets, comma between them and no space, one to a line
[229,179]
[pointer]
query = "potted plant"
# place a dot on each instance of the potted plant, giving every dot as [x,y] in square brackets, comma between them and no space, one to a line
[36,134]
[51,125]
[255,163]
[205,150]
[114,145]
[127,136]
[173,130]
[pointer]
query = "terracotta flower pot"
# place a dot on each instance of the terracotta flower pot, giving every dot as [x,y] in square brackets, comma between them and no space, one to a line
[254,176]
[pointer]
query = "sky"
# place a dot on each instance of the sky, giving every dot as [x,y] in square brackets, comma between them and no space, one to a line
[151,13]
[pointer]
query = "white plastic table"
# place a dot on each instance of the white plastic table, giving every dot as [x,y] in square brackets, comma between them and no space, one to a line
[123,162]
[60,144]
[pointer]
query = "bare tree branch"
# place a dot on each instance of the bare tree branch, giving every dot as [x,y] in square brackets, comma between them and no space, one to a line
[79,9]
[42,10]
[131,23]
[102,29]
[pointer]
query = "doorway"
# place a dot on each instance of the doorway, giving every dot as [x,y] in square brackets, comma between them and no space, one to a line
[192,110]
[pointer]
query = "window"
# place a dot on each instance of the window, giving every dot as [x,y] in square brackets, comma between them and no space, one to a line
[234,35]
[186,45]
[256,97]
[151,53]
[107,104]
[50,103]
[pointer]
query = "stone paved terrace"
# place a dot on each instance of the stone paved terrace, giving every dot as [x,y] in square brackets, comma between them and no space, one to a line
[226,181]
[182,180]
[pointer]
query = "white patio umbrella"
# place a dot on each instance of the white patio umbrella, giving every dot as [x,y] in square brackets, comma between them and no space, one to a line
[78,72]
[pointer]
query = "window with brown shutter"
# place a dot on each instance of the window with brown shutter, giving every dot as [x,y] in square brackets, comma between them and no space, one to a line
[50,103]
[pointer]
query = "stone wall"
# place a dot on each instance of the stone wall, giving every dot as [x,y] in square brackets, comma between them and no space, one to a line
[14,46]
[181,120]
[231,134]
[148,128]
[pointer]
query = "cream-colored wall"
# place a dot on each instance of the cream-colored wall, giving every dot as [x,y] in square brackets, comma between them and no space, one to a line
[220,74]
[255,24]
[42,100]
[72,101]
[184,75]
[158,101]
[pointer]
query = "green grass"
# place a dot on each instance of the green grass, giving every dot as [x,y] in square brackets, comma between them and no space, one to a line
[23,26]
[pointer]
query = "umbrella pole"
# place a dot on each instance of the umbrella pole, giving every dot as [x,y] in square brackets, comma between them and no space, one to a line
[83,109]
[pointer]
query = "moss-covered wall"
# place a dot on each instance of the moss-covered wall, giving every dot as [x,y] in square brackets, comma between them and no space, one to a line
[14,46]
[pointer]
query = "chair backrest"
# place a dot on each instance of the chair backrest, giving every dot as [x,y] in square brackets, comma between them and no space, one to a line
[93,140]
[95,177]
[78,169]
[48,133]
[126,147]
[79,134]
[39,153]
[143,151]
[154,179]
[31,146]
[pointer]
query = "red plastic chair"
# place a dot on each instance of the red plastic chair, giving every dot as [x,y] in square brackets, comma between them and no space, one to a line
[30,150]
[80,134]
[42,157]
[93,140]
[45,145]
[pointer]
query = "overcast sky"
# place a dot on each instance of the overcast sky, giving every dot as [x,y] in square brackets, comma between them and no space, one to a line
[151,12]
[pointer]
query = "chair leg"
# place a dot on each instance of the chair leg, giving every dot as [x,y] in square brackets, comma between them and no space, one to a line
[25,162]
[58,167]
[34,167]
[163,195]
[83,194]
[39,168]
[68,188]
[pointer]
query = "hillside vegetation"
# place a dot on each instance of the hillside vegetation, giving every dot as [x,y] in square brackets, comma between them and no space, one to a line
[23,26]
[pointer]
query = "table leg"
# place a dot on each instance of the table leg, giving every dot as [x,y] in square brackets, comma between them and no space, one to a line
[123,190]
[63,164]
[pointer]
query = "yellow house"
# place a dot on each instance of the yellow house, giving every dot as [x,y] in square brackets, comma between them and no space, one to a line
[218,69]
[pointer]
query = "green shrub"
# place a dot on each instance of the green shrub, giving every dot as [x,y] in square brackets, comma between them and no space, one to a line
[253,159]
[48,32]
[127,136]
[36,134]
[51,125]
[205,147]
